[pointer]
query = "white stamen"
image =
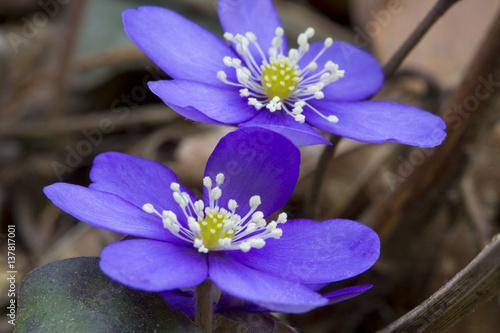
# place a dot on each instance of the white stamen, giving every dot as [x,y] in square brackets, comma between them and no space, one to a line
[245,247]
[271,226]
[310,32]
[333,119]
[282,218]
[199,205]
[213,228]
[193,225]
[207,182]
[232,205]
[255,102]
[178,198]
[302,39]
[228,61]
[276,233]
[221,75]
[148,208]
[274,104]
[319,95]
[255,201]
[257,215]
[219,179]
[293,54]
[312,66]
[225,242]
[236,62]
[300,118]
[279,74]
[258,243]
[251,228]
[251,37]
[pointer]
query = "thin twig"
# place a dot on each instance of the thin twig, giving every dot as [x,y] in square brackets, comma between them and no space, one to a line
[474,285]
[312,202]
[437,11]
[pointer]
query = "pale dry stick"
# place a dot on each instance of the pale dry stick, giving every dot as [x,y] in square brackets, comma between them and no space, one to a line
[473,209]
[312,202]
[477,283]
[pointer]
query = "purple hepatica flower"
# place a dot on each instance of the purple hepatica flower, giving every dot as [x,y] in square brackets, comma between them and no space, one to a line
[253,79]
[224,237]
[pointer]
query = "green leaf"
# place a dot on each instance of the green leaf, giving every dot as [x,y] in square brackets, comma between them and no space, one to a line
[73,295]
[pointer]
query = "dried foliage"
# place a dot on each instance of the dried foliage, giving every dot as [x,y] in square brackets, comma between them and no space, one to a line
[69,93]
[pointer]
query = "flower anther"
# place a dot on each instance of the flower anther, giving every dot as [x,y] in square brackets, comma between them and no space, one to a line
[278,83]
[214,228]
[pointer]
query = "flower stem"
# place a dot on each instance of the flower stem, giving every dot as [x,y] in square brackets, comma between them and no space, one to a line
[312,202]
[437,11]
[204,306]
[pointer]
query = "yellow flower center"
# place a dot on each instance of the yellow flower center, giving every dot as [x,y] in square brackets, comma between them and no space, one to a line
[280,77]
[212,227]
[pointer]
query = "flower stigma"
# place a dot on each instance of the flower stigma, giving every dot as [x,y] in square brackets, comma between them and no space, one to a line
[278,83]
[214,228]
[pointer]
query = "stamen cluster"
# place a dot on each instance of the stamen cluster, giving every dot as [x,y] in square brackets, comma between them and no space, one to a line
[278,83]
[214,228]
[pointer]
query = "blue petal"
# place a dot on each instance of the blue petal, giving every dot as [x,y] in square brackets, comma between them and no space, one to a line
[177,299]
[299,134]
[229,302]
[346,293]
[153,265]
[268,291]
[137,180]
[193,99]
[377,122]
[311,252]
[257,16]
[255,161]
[181,48]
[107,211]
[363,75]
